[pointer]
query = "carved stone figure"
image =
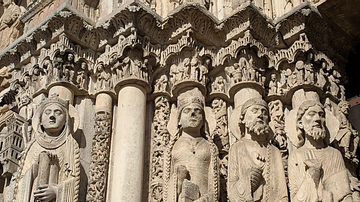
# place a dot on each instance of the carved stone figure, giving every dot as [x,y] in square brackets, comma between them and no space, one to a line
[299,72]
[218,85]
[273,85]
[234,73]
[50,165]
[68,68]
[347,138]
[11,27]
[322,75]
[309,70]
[316,171]
[82,76]
[58,70]
[194,157]
[255,166]
[161,84]
[103,78]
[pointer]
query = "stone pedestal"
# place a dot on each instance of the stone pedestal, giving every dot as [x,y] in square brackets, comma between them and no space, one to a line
[128,145]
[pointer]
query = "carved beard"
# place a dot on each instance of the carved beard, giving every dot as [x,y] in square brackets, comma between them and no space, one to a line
[316,133]
[258,128]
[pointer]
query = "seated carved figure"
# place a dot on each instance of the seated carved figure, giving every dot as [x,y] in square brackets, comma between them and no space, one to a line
[316,171]
[50,166]
[255,166]
[193,175]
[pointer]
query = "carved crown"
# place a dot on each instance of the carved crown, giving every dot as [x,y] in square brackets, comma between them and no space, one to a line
[54,98]
[191,96]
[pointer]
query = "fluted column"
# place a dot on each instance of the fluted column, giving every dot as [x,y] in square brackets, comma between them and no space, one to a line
[127,157]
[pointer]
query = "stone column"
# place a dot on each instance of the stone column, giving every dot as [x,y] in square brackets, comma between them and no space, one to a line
[127,157]
[63,92]
[100,149]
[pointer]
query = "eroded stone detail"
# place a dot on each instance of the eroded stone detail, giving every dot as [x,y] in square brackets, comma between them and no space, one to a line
[256,172]
[100,157]
[159,142]
[192,158]
[50,165]
[312,176]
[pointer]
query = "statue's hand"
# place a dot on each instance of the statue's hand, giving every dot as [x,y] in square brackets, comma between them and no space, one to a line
[313,166]
[45,193]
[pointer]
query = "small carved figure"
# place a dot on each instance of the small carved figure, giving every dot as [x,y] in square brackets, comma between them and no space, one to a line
[174,74]
[347,139]
[322,75]
[194,156]
[204,70]
[195,69]
[234,73]
[58,70]
[103,78]
[299,72]
[68,68]
[218,85]
[273,85]
[317,171]
[161,84]
[50,166]
[309,69]
[82,76]
[256,170]
[10,26]
[334,80]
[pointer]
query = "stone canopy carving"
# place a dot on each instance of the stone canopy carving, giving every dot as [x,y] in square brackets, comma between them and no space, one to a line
[174,102]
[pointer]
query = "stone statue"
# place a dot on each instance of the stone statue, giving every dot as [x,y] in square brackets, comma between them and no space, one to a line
[255,166]
[68,68]
[309,69]
[194,156]
[299,71]
[218,85]
[50,165]
[273,85]
[322,75]
[161,84]
[10,26]
[82,76]
[347,139]
[234,73]
[103,78]
[316,171]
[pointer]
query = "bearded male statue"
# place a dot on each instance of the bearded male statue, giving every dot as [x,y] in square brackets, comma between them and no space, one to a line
[316,171]
[50,165]
[255,166]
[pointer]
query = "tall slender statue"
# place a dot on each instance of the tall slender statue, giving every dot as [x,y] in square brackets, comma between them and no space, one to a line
[194,156]
[316,171]
[50,167]
[256,170]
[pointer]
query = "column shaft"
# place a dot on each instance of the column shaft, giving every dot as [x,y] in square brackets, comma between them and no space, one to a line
[127,157]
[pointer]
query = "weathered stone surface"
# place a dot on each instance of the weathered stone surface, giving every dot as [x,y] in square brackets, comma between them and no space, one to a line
[175,101]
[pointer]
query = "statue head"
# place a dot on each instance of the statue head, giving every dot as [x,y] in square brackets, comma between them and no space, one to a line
[52,122]
[191,116]
[7,2]
[83,65]
[254,117]
[344,107]
[273,77]
[310,121]
[70,57]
